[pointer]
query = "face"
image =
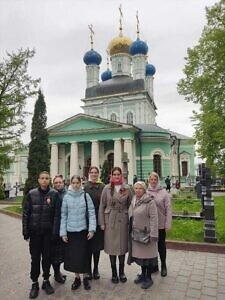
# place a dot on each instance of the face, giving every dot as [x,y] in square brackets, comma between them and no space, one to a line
[153,180]
[76,184]
[58,183]
[139,191]
[44,180]
[93,174]
[116,175]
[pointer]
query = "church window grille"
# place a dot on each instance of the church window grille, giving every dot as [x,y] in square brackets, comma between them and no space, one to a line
[119,67]
[130,118]
[184,168]
[157,164]
[113,117]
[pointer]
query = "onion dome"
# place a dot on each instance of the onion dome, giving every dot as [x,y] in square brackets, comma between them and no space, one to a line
[138,47]
[119,44]
[150,70]
[92,57]
[106,75]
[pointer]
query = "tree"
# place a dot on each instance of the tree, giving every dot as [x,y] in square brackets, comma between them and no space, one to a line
[39,152]
[105,172]
[204,84]
[16,86]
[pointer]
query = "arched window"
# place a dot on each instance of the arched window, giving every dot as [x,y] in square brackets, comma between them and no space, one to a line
[130,118]
[113,117]
[157,165]
[184,168]
[119,69]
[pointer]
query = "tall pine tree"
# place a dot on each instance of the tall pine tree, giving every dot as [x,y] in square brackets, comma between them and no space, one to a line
[39,152]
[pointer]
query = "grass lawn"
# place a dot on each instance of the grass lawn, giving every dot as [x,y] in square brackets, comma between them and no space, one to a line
[188,205]
[14,208]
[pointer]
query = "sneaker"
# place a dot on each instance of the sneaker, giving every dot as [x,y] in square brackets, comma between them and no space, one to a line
[122,277]
[139,279]
[76,284]
[34,290]
[147,283]
[60,278]
[47,287]
[86,284]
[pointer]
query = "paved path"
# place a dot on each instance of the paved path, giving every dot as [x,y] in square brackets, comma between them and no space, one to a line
[191,275]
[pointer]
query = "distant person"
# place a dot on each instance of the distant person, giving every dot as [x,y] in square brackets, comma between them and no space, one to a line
[168,183]
[163,203]
[177,185]
[94,188]
[135,179]
[58,246]
[143,231]
[39,220]
[113,219]
[78,224]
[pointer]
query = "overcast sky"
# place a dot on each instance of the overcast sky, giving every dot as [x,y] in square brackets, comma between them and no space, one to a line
[58,30]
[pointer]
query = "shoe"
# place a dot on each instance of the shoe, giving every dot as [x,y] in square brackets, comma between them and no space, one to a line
[34,290]
[139,279]
[96,275]
[164,271]
[147,283]
[123,278]
[86,284]
[76,284]
[115,279]
[89,277]
[60,278]
[47,287]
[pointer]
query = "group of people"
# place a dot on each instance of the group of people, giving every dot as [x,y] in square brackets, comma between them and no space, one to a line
[74,225]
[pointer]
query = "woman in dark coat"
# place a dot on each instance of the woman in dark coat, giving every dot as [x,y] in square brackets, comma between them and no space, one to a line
[94,188]
[58,246]
[113,218]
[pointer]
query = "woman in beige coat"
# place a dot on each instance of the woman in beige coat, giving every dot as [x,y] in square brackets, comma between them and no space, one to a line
[113,219]
[143,219]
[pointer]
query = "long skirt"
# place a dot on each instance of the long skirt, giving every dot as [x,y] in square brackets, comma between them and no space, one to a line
[97,242]
[76,252]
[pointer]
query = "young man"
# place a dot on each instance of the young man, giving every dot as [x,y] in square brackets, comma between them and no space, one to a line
[39,222]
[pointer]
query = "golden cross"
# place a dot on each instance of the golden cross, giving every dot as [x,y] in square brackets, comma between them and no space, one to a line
[91,34]
[121,16]
[138,23]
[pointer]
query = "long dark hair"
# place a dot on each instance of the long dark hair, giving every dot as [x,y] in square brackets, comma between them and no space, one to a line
[112,185]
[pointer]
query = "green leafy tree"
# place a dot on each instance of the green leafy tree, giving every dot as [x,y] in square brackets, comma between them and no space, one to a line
[204,84]
[16,86]
[39,152]
[105,172]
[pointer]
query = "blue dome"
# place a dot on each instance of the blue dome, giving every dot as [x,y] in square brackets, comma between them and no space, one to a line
[138,47]
[150,70]
[92,57]
[106,75]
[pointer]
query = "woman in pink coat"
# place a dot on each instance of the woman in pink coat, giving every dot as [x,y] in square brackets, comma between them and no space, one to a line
[143,219]
[163,203]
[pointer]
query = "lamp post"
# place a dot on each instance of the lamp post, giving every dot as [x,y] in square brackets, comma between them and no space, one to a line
[176,141]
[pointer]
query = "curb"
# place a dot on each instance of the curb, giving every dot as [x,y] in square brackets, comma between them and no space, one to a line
[174,245]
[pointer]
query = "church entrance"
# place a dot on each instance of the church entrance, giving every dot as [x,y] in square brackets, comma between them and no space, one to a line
[87,167]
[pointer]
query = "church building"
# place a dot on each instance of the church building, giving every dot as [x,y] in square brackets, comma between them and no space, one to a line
[118,126]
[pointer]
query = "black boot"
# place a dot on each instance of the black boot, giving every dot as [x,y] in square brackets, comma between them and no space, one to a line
[86,283]
[163,270]
[34,290]
[59,277]
[96,275]
[122,276]
[76,284]
[47,287]
[115,278]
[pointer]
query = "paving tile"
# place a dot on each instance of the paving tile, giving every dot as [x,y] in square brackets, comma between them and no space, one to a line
[209,291]
[194,293]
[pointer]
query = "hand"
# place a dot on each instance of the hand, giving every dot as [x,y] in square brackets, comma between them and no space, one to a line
[90,235]
[102,227]
[154,239]
[65,239]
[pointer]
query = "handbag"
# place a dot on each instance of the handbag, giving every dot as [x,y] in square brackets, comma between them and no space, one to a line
[86,212]
[141,236]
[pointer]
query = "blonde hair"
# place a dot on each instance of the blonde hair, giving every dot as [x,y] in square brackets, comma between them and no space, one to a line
[154,174]
[142,183]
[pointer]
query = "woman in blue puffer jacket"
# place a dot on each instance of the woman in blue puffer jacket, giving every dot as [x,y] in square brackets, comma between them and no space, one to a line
[78,224]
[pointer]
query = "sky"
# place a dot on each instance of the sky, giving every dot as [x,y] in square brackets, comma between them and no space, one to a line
[58,31]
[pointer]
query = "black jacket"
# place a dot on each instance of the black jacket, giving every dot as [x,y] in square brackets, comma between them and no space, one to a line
[40,212]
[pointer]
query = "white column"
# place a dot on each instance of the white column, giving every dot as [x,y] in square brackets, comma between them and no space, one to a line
[117,153]
[54,160]
[95,153]
[74,165]
[129,150]
[62,159]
